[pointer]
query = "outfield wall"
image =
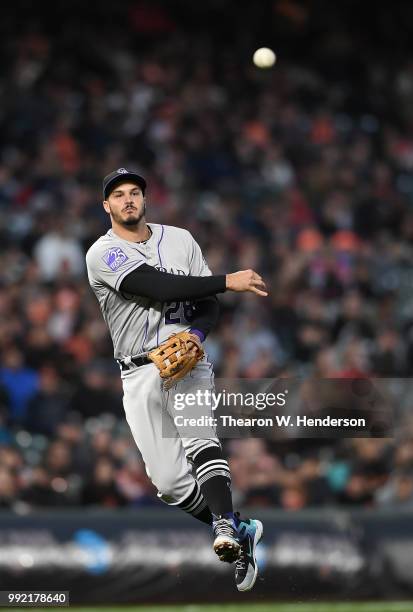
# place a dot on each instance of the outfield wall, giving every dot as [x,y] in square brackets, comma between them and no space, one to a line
[163,556]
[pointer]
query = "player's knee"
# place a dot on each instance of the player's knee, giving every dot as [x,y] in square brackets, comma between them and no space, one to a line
[167,487]
[172,486]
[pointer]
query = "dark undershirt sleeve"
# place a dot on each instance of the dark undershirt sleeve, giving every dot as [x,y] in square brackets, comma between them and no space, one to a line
[206,314]
[147,281]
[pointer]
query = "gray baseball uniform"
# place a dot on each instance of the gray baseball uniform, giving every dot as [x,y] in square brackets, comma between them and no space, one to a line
[138,325]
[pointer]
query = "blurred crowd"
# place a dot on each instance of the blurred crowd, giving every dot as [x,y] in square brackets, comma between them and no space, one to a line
[302,172]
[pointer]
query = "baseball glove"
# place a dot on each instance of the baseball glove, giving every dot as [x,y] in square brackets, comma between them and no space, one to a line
[175,357]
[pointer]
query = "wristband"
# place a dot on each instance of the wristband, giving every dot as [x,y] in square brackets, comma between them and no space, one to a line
[199,333]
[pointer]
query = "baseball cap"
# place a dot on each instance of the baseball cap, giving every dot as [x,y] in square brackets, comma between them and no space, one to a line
[121,175]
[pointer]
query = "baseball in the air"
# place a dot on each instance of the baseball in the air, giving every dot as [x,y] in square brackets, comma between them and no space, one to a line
[264,57]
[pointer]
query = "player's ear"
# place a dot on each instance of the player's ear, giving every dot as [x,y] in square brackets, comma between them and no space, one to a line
[106,206]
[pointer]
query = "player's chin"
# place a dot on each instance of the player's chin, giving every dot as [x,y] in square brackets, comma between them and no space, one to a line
[131,220]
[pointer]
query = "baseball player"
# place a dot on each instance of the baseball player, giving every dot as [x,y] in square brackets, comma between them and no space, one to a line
[158,298]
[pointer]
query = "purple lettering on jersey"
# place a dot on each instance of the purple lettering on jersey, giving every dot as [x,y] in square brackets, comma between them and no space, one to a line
[114,258]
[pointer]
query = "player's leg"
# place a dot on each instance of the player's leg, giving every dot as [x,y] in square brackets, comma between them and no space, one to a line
[235,538]
[194,424]
[212,472]
[164,457]
[205,452]
[214,478]
[194,504]
[213,475]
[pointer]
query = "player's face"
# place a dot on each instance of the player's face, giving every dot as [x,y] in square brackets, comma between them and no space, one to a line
[126,204]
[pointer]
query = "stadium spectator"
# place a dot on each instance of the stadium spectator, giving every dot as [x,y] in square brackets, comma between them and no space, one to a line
[102,489]
[48,407]
[20,382]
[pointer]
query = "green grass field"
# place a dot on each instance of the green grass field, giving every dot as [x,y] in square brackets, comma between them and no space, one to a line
[402,606]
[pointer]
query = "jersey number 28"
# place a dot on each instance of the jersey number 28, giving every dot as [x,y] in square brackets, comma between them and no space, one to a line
[179,312]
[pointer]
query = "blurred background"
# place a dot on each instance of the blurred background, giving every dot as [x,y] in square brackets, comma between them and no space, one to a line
[302,172]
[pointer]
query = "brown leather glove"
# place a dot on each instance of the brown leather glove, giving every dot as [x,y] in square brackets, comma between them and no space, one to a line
[175,357]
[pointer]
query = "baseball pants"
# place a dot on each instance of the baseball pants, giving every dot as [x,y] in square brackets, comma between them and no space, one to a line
[150,413]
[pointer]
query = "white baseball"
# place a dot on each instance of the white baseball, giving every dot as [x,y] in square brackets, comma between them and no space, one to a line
[264,57]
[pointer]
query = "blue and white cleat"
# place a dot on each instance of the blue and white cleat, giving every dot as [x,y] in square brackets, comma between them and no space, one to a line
[246,569]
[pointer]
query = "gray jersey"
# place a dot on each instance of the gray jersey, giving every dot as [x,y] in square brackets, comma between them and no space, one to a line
[139,324]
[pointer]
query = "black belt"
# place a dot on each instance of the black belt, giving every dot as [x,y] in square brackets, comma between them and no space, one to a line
[138,361]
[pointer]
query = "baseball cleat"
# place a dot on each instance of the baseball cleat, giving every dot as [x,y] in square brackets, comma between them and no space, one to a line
[246,569]
[226,544]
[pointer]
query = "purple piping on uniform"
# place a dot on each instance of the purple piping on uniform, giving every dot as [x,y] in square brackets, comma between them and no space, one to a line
[159,252]
[160,264]
[146,331]
[157,329]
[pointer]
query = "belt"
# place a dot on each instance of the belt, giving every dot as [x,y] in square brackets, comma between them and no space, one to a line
[138,361]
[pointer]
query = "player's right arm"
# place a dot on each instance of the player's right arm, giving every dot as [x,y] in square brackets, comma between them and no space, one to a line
[125,270]
[147,281]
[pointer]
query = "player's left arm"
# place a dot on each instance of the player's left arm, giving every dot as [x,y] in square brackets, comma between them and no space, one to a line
[206,310]
[206,315]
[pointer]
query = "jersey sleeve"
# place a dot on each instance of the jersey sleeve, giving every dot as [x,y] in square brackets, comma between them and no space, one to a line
[108,265]
[197,264]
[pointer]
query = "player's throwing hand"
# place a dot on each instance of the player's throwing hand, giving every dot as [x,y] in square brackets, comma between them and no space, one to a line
[246,280]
